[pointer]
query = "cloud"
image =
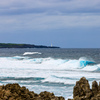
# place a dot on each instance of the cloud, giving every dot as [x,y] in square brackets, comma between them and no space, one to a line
[46,22]
[48,14]
[17,7]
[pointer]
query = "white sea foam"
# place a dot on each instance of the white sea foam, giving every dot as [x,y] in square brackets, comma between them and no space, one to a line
[42,67]
[31,53]
[58,71]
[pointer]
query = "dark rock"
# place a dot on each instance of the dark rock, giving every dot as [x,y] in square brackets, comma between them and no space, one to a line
[82,90]
[99,86]
[95,87]
[15,92]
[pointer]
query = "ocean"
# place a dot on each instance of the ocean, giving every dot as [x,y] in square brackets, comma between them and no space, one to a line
[54,70]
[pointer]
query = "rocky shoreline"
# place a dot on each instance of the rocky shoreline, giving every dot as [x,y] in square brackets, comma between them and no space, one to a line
[82,90]
[16,92]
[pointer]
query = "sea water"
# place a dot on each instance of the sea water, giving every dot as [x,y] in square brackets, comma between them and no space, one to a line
[53,70]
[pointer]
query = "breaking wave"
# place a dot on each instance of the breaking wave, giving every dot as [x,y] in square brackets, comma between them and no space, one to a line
[31,53]
[58,64]
[47,73]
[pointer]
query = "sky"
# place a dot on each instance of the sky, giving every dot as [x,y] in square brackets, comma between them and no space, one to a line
[64,23]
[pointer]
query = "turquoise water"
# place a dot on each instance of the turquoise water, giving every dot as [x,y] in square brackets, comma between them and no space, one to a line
[53,70]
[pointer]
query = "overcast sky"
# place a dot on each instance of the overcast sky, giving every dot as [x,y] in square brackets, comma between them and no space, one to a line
[64,23]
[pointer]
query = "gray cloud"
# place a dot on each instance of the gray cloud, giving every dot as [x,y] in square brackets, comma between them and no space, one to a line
[48,14]
[20,11]
[45,22]
[17,7]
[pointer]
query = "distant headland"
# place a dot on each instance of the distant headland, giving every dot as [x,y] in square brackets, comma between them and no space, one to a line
[14,45]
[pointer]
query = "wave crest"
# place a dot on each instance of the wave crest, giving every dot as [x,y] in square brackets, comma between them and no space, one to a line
[31,53]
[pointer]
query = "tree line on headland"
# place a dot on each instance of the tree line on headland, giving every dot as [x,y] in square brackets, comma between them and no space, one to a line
[13,45]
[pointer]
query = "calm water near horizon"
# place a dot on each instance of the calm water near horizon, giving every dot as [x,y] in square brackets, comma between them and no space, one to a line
[53,70]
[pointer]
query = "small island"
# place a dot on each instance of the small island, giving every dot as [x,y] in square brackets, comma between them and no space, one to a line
[14,45]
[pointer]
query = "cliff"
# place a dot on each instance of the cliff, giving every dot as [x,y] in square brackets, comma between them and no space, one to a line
[11,45]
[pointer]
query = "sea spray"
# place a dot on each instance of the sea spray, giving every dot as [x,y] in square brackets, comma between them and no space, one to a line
[54,70]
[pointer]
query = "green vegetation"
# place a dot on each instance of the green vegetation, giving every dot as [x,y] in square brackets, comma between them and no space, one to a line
[11,45]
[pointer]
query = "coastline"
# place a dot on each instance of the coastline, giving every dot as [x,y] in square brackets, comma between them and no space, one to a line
[16,92]
[14,45]
[81,91]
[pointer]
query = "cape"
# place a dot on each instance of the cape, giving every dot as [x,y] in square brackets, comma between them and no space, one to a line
[12,45]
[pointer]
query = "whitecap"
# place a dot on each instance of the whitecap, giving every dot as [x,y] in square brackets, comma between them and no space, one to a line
[31,53]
